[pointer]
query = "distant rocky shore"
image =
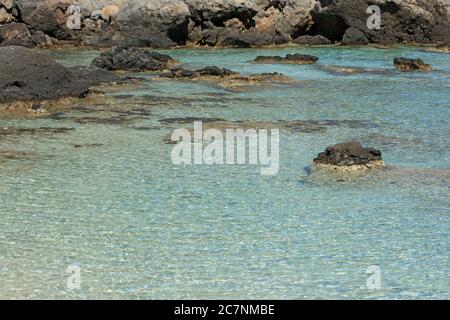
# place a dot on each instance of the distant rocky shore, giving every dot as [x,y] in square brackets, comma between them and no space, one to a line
[237,23]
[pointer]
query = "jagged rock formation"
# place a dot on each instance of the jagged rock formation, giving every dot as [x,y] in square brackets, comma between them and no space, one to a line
[421,21]
[243,23]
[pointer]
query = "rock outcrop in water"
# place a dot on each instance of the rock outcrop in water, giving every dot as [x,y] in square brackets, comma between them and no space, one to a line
[349,156]
[289,59]
[405,64]
[132,59]
[29,76]
[225,78]
[242,23]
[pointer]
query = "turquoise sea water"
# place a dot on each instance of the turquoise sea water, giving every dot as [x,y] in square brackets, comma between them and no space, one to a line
[105,196]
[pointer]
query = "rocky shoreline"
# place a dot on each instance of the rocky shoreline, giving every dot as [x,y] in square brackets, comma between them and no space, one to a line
[237,23]
[33,80]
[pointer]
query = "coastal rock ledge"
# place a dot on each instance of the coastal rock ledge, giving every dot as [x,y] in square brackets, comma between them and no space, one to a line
[349,156]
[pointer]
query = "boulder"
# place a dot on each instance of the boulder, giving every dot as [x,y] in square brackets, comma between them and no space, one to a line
[42,15]
[27,75]
[7,4]
[133,59]
[289,59]
[312,40]
[419,21]
[41,39]
[354,36]
[405,64]
[16,34]
[349,155]
[5,16]
[249,23]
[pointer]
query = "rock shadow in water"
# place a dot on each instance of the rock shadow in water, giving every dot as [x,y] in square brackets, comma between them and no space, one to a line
[348,71]
[292,126]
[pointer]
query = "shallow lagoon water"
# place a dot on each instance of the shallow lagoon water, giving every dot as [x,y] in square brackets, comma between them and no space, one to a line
[106,197]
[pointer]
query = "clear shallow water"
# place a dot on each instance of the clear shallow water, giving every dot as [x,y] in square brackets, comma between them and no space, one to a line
[140,227]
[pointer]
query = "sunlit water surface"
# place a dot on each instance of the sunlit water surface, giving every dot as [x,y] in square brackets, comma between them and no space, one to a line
[106,197]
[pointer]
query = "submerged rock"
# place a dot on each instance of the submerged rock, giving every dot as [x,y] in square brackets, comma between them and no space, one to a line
[349,156]
[19,131]
[132,59]
[405,64]
[348,70]
[288,126]
[289,59]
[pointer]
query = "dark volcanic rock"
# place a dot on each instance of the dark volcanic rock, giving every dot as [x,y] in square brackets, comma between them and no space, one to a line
[211,71]
[349,154]
[312,40]
[405,64]
[354,36]
[29,75]
[15,34]
[132,59]
[41,39]
[227,79]
[167,23]
[215,71]
[289,59]
[420,21]
[40,15]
